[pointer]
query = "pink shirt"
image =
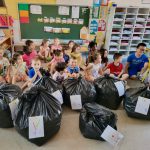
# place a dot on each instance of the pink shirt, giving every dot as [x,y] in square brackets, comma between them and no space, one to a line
[55,47]
[28,58]
[55,61]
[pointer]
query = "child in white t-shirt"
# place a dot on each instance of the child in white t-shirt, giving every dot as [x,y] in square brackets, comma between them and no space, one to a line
[60,75]
[94,70]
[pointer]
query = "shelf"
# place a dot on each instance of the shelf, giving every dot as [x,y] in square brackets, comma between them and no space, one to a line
[115,33]
[131,14]
[3,40]
[4,27]
[129,20]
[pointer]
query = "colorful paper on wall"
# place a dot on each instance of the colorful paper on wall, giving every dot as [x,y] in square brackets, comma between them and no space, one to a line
[23,7]
[104,2]
[75,11]
[24,20]
[96,2]
[63,10]
[100,36]
[103,12]
[95,13]
[24,13]
[102,25]
[36,9]
[93,26]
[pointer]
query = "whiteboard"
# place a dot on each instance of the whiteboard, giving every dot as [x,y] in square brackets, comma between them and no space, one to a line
[146,1]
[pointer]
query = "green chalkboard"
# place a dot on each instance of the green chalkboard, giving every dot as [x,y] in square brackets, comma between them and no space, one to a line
[35,30]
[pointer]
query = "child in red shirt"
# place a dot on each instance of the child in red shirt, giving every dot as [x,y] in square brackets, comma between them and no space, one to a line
[116,68]
[29,53]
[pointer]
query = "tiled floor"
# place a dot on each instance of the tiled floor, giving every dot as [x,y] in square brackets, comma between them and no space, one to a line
[136,135]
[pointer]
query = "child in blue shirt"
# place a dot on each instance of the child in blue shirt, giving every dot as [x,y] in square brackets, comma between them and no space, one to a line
[34,73]
[137,62]
[73,69]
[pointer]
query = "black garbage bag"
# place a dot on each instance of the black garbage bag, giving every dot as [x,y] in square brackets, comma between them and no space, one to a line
[94,119]
[130,101]
[8,93]
[50,84]
[38,102]
[78,87]
[107,93]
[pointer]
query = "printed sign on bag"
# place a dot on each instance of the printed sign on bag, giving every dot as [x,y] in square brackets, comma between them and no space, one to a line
[142,105]
[36,127]
[13,105]
[112,136]
[57,94]
[120,87]
[76,103]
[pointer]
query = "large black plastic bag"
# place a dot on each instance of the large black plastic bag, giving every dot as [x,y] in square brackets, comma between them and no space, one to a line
[50,84]
[107,93]
[78,87]
[94,119]
[38,102]
[8,93]
[130,101]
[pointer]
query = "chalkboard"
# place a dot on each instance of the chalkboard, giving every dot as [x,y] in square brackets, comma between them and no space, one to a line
[35,30]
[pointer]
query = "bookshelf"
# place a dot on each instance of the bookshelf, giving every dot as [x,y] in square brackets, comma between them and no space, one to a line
[127,26]
[6,32]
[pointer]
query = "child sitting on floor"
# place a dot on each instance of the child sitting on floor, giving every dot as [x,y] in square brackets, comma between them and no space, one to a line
[4,67]
[34,73]
[73,69]
[65,55]
[56,45]
[92,50]
[116,68]
[76,54]
[29,53]
[18,69]
[70,46]
[44,52]
[58,57]
[104,55]
[94,70]
[60,75]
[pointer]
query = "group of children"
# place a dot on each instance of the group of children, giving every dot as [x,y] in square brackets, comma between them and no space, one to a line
[62,62]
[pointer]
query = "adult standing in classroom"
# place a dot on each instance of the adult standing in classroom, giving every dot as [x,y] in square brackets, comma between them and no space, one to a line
[137,62]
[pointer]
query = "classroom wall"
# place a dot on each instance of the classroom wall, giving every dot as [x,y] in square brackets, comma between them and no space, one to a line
[12,5]
[75,2]
[130,3]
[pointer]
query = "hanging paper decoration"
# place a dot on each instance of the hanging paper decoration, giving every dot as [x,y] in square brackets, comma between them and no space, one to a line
[93,26]
[24,13]
[102,25]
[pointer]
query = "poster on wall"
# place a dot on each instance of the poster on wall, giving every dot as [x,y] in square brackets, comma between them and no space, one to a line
[104,3]
[36,9]
[63,10]
[102,25]
[103,12]
[96,2]
[93,26]
[75,11]
[95,13]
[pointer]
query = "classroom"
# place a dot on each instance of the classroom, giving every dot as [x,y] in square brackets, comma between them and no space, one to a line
[74,74]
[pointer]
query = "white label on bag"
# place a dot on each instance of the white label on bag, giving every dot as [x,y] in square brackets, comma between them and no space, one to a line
[13,105]
[120,87]
[112,136]
[76,102]
[142,105]
[57,94]
[36,127]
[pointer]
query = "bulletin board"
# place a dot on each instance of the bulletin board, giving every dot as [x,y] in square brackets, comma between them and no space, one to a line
[32,26]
